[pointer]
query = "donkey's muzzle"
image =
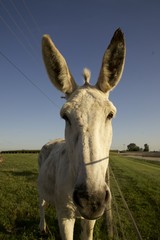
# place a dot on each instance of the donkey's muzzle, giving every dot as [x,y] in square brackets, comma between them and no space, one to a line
[90,205]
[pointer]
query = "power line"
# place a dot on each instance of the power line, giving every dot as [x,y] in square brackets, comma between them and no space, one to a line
[16,26]
[15,36]
[24,22]
[33,19]
[27,78]
[13,64]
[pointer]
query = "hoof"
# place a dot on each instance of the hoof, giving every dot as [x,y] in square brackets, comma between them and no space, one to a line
[42,235]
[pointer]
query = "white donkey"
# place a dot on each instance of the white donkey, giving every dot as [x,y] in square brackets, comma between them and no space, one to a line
[72,172]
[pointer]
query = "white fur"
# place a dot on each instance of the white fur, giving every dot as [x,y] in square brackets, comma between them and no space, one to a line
[87,75]
[72,172]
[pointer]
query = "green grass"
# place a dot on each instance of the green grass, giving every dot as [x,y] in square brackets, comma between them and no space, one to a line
[18,196]
[140,183]
[19,213]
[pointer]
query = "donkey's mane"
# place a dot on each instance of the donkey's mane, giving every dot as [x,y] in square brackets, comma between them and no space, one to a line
[86,75]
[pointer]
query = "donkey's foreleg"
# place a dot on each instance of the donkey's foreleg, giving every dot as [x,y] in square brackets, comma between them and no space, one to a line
[87,229]
[42,224]
[66,228]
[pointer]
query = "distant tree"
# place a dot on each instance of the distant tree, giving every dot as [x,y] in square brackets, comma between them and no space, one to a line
[132,147]
[146,147]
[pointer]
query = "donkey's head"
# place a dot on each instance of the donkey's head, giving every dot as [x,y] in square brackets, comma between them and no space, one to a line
[88,114]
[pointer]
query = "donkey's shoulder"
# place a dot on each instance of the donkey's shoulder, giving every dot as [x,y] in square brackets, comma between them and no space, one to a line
[50,148]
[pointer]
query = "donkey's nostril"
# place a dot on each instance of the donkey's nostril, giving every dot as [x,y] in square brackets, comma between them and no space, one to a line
[90,206]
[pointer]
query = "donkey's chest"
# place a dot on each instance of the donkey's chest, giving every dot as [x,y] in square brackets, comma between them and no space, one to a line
[58,182]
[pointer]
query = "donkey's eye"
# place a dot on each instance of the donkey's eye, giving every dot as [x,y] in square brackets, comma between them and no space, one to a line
[110,115]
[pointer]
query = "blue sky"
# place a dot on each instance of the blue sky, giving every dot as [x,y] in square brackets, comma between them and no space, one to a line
[81,30]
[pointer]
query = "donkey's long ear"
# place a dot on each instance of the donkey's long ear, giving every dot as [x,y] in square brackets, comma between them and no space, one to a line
[112,63]
[56,66]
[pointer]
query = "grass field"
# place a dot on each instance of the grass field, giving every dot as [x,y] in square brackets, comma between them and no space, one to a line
[139,181]
[19,213]
[18,196]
